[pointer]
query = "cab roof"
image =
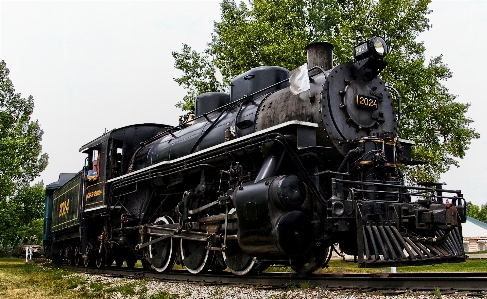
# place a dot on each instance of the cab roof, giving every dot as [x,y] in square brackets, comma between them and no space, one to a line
[112,133]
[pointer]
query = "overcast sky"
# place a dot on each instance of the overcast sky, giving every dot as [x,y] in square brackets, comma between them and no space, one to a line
[94,66]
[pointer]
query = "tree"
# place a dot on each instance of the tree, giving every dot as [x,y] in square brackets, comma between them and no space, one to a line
[199,75]
[21,159]
[21,218]
[479,213]
[275,32]
[31,233]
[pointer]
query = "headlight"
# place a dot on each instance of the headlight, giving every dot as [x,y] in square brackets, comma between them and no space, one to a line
[375,47]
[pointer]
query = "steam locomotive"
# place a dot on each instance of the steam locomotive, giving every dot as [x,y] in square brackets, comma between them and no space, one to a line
[276,172]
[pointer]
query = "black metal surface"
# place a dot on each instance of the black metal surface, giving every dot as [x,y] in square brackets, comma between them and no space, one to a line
[254,219]
[287,192]
[294,232]
[209,101]
[320,54]
[385,244]
[257,79]
[345,119]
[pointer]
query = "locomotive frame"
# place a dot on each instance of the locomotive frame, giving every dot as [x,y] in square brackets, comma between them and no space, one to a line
[258,177]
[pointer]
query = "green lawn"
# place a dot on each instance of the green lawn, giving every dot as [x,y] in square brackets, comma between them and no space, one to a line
[471,265]
[339,266]
[19,280]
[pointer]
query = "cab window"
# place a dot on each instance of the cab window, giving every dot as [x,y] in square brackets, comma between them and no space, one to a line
[117,162]
[93,165]
[115,158]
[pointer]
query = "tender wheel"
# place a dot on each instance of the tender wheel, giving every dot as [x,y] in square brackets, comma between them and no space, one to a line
[57,257]
[68,256]
[163,253]
[312,260]
[196,258]
[109,258]
[131,262]
[237,261]
[100,258]
[77,257]
[89,260]
[118,262]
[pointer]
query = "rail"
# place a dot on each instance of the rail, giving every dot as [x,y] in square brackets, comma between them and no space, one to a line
[476,282]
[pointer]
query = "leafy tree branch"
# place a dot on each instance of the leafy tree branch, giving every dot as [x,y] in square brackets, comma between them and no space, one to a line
[21,157]
[275,32]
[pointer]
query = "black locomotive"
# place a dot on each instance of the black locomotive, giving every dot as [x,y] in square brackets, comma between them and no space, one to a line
[263,175]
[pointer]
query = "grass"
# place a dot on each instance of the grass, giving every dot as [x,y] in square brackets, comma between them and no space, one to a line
[163,295]
[476,252]
[437,293]
[19,280]
[340,266]
[471,265]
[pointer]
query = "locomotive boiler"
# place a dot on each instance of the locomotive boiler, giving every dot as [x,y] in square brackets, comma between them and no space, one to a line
[275,172]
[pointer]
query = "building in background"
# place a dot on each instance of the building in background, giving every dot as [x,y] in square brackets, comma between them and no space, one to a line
[474,235]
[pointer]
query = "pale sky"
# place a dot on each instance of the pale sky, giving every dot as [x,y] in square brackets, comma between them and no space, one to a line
[93,65]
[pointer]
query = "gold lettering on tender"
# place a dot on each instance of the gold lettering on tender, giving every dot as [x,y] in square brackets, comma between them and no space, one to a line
[64,208]
[94,194]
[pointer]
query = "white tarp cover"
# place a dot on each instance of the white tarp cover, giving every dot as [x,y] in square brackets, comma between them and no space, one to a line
[299,79]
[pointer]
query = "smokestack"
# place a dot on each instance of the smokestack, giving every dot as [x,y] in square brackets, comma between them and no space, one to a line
[320,54]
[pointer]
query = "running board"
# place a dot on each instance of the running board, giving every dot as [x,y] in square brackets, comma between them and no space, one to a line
[383,245]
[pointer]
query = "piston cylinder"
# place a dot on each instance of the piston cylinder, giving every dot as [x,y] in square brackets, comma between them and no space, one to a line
[268,223]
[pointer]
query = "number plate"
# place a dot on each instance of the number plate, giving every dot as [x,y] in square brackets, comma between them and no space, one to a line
[367,102]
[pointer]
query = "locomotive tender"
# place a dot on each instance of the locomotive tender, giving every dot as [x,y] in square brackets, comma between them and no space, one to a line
[260,176]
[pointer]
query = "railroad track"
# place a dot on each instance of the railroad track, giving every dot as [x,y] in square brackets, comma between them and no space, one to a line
[476,282]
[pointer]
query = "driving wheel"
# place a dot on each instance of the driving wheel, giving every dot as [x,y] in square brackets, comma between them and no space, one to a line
[195,256]
[238,261]
[163,253]
[312,260]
